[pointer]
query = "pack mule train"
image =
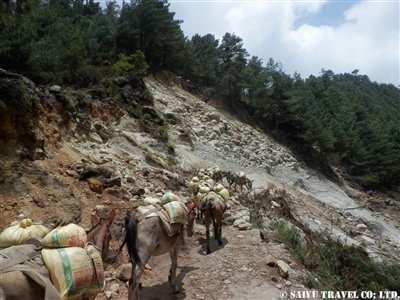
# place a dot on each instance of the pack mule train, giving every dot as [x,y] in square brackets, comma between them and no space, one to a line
[146,237]
[23,274]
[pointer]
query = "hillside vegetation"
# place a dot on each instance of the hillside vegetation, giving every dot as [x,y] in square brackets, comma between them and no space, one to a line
[340,119]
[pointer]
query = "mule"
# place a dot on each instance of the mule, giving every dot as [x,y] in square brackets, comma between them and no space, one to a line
[145,237]
[29,279]
[237,180]
[213,208]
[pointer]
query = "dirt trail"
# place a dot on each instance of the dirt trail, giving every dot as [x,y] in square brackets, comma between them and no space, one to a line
[236,270]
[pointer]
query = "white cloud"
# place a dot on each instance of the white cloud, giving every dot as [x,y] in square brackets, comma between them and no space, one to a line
[367,39]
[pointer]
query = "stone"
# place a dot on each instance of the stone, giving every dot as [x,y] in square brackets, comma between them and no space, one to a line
[245,226]
[90,171]
[124,272]
[95,185]
[115,288]
[271,261]
[55,89]
[110,182]
[237,222]
[274,204]
[283,268]
[368,240]
[136,191]
[361,226]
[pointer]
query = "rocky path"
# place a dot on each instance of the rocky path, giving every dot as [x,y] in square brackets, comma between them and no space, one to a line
[236,270]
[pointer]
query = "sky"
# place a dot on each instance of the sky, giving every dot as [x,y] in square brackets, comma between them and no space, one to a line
[306,36]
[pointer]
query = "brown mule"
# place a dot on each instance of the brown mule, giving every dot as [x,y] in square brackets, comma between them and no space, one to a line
[213,208]
[145,238]
[30,278]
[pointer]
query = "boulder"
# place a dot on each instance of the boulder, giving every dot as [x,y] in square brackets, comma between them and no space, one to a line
[283,268]
[95,185]
[110,182]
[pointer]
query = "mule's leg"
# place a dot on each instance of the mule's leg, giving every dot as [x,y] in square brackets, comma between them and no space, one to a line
[133,292]
[173,253]
[217,229]
[207,218]
[215,226]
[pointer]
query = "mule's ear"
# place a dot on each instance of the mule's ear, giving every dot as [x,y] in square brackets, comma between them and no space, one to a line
[94,218]
[111,216]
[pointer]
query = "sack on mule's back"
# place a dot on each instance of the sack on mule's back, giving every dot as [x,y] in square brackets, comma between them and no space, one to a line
[71,235]
[16,234]
[169,197]
[71,270]
[222,191]
[151,201]
[177,211]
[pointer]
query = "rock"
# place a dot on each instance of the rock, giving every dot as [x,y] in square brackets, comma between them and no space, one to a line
[115,288]
[389,202]
[71,173]
[283,269]
[124,272]
[90,171]
[55,89]
[368,240]
[130,179]
[213,116]
[245,226]
[237,222]
[110,295]
[136,191]
[274,204]
[110,182]
[271,261]
[95,185]
[361,226]
[108,274]
[102,131]
[95,138]
[119,192]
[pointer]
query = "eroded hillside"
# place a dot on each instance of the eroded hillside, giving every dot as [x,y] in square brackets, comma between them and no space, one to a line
[66,151]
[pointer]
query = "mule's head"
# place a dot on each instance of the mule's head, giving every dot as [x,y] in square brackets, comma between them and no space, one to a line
[191,206]
[249,184]
[100,234]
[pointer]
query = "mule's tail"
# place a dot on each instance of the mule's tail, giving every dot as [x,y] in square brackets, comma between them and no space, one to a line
[131,232]
[206,204]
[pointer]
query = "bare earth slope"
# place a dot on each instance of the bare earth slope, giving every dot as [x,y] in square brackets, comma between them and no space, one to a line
[49,190]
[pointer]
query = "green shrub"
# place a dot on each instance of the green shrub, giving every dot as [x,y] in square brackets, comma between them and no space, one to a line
[87,75]
[134,64]
[162,133]
[256,219]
